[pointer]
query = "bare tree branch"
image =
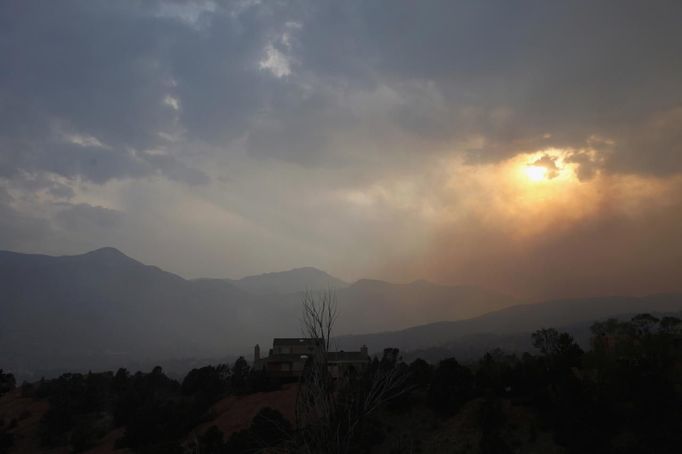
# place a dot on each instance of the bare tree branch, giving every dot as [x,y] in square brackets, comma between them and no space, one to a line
[330,411]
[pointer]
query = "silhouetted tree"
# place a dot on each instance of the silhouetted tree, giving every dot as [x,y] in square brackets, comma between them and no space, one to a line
[495,373]
[390,358]
[491,420]
[240,373]
[559,349]
[211,442]
[644,324]
[671,326]
[7,382]
[420,373]
[206,384]
[452,385]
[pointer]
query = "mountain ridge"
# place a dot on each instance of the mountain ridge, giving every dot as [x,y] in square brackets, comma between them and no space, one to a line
[73,311]
[103,309]
[517,319]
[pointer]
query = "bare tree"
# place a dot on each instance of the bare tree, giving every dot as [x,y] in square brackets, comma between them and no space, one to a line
[315,404]
[319,316]
[330,411]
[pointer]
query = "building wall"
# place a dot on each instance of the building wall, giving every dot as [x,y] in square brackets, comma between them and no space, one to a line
[284,366]
[297,349]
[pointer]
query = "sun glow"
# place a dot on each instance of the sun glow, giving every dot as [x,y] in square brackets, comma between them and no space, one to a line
[536,173]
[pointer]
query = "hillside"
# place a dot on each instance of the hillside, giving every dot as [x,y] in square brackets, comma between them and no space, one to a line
[549,401]
[512,324]
[104,309]
[373,305]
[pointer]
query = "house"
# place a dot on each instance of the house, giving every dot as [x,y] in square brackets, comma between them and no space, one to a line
[288,356]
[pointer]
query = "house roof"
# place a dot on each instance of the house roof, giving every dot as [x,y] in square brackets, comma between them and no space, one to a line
[289,341]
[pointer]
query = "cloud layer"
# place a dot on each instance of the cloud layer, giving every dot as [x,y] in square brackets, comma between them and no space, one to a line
[366,138]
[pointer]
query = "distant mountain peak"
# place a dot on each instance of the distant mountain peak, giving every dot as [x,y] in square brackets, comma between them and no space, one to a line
[107,251]
[109,254]
[290,281]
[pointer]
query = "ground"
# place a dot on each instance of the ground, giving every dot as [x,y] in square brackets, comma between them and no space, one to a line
[412,429]
[418,430]
[234,413]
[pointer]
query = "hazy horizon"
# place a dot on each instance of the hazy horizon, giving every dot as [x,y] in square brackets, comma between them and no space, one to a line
[521,299]
[531,148]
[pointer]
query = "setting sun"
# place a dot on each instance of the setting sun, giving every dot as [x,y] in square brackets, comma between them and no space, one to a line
[536,173]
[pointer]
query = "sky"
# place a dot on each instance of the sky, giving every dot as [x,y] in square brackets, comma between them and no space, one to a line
[529,147]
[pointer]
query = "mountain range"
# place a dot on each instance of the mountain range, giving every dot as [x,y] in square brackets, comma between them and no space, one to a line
[511,327]
[104,309]
[292,281]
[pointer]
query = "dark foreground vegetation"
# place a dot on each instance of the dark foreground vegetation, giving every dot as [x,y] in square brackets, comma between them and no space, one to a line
[624,395]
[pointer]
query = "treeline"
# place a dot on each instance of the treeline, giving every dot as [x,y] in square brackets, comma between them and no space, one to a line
[624,395]
[7,384]
[155,411]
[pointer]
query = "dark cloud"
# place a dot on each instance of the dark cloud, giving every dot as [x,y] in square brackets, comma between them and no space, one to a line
[571,70]
[287,101]
[652,147]
[510,72]
[549,163]
[92,69]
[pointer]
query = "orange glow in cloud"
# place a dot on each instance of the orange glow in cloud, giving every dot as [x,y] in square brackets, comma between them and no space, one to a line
[530,226]
[523,195]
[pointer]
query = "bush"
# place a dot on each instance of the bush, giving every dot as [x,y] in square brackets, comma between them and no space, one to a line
[452,385]
[7,382]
